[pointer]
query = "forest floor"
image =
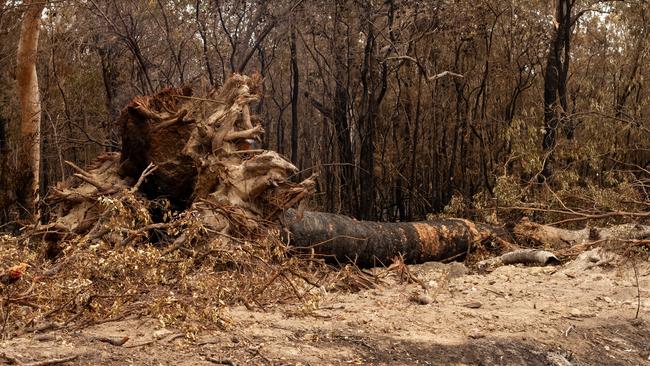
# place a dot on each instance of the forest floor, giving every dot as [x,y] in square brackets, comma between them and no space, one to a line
[582,312]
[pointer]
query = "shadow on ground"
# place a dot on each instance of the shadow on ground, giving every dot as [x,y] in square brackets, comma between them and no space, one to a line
[616,344]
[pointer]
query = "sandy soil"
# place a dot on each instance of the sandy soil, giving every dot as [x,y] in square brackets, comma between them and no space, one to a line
[580,313]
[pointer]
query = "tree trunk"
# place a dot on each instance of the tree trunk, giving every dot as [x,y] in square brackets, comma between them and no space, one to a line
[113,103]
[295,79]
[30,109]
[340,113]
[339,238]
[204,41]
[555,80]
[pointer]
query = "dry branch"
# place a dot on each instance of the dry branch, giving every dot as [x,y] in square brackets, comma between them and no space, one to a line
[557,237]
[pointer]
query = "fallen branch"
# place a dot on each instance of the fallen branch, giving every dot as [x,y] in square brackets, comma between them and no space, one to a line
[145,173]
[557,237]
[115,341]
[53,361]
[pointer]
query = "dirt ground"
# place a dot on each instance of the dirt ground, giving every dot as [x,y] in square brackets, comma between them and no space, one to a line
[579,313]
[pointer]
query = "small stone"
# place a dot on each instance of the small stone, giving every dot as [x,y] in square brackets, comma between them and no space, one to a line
[594,258]
[422,299]
[473,305]
[607,299]
[576,312]
[475,333]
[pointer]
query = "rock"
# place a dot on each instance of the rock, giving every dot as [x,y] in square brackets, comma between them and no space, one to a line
[422,299]
[475,333]
[577,313]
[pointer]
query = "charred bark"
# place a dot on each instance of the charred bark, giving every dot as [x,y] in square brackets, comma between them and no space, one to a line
[556,75]
[295,81]
[339,238]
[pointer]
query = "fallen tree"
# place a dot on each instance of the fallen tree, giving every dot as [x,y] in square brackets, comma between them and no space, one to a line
[192,155]
[188,173]
[366,243]
[189,214]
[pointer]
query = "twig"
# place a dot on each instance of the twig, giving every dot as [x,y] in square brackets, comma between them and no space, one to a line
[147,171]
[115,341]
[53,361]
[568,330]
[172,337]
[175,245]
[443,74]
[602,216]
[134,233]
[638,290]
[221,361]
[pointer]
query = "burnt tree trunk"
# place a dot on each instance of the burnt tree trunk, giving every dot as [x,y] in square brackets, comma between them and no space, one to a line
[340,238]
[295,81]
[555,81]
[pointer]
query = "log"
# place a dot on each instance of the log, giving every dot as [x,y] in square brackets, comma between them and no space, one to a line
[551,236]
[522,256]
[340,238]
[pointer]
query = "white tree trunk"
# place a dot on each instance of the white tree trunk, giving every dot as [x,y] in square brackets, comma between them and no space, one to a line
[30,104]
